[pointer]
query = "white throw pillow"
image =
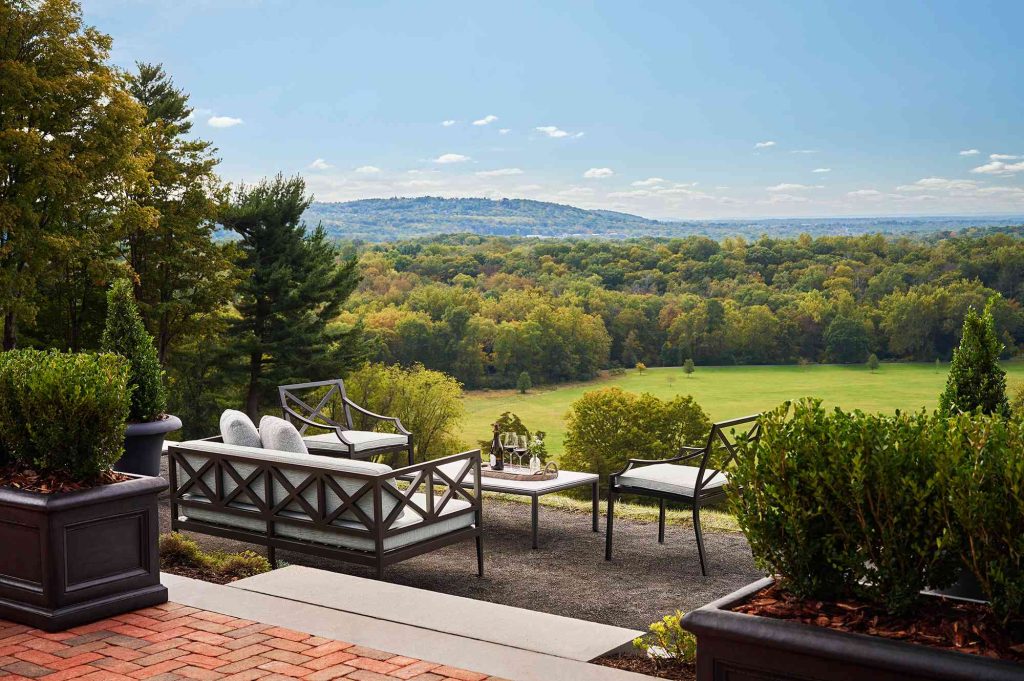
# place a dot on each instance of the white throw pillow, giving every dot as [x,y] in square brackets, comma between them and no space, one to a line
[236,428]
[281,435]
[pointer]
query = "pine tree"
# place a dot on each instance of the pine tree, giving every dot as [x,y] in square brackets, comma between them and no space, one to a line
[524,383]
[126,335]
[976,380]
[295,288]
[688,367]
[872,362]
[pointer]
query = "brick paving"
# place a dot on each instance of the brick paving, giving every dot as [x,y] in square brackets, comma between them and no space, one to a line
[173,642]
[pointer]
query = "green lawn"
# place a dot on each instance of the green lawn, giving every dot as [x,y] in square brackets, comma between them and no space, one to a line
[726,392]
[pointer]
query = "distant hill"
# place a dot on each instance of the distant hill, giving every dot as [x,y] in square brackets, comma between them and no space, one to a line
[403,218]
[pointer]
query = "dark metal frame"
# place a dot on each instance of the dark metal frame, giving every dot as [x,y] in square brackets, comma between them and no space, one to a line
[376,526]
[701,494]
[336,387]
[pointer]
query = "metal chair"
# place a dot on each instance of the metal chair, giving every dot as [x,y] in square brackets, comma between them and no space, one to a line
[344,438]
[666,480]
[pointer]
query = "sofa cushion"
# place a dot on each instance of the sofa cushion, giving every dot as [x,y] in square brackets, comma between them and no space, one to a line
[671,478]
[286,463]
[410,523]
[236,428]
[281,436]
[361,439]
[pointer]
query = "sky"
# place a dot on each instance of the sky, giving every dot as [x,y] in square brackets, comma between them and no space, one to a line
[670,110]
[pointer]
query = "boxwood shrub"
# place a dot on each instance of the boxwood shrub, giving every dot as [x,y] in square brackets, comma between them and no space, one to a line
[844,504]
[63,412]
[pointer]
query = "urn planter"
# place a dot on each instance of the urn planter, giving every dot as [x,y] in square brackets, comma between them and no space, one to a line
[75,557]
[144,444]
[734,646]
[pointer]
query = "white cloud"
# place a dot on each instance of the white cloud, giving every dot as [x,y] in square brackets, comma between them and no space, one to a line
[788,198]
[486,120]
[319,164]
[864,193]
[223,122]
[649,182]
[804,151]
[500,172]
[765,144]
[448,123]
[822,170]
[938,183]
[1003,157]
[598,173]
[999,168]
[792,187]
[576,192]
[368,170]
[556,132]
[969,152]
[451,158]
[504,131]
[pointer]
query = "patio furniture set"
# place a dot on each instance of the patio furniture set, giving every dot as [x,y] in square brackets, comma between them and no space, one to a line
[319,494]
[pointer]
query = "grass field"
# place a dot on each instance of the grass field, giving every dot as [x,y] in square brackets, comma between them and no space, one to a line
[726,392]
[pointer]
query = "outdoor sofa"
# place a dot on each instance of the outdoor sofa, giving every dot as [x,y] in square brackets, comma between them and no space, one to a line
[349,510]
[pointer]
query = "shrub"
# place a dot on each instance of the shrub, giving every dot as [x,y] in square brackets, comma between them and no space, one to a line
[179,551]
[235,566]
[507,423]
[872,362]
[63,412]
[667,642]
[982,474]
[524,383]
[126,335]
[847,504]
[606,427]
[688,367]
[976,381]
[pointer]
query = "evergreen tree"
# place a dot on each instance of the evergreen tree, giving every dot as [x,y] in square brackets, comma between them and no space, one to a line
[524,383]
[294,290]
[976,380]
[872,362]
[183,274]
[688,367]
[126,335]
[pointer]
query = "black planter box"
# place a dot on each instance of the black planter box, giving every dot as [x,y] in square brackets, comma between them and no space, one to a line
[68,559]
[733,646]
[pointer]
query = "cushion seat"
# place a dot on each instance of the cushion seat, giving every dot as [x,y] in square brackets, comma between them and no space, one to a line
[361,439]
[671,478]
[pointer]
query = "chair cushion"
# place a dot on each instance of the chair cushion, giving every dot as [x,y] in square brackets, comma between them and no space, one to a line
[409,521]
[362,439]
[195,454]
[236,428]
[281,436]
[671,478]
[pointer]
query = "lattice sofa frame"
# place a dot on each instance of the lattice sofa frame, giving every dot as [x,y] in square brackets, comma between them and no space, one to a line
[376,526]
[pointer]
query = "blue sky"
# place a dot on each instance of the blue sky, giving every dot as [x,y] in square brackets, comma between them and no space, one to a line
[664,109]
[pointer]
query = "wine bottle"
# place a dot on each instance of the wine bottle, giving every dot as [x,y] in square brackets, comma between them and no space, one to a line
[497,452]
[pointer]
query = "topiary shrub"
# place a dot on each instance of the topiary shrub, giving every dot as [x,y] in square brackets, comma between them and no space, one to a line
[606,427]
[976,381]
[63,412]
[982,474]
[126,334]
[845,505]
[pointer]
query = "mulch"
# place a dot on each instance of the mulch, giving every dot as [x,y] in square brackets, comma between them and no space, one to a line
[197,573]
[56,482]
[647,666]
[940,622]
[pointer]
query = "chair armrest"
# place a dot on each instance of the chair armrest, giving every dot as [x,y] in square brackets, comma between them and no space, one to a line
[428,474]
[688,453]
[380,417]
[324,426]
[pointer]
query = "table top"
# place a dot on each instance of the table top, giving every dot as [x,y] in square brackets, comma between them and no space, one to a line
[565,480]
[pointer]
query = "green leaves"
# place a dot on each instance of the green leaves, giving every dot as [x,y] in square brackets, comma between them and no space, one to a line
[63,412]
[126,335]
[976,380]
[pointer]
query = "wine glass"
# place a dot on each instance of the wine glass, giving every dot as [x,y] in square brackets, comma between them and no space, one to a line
[508,444]
[523,451]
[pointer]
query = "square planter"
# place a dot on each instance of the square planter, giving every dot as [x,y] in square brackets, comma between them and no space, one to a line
[71,558]
[734,646]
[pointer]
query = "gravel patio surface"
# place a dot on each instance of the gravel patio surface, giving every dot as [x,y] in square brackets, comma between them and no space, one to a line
[567,575]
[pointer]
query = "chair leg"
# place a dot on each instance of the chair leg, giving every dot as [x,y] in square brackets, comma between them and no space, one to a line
[479,555]
[661,522]
[272,557]
[608,525]
[700,538]
[412,458]
[380,569]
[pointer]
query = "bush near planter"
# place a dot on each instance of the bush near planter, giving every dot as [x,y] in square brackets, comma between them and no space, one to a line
[63,412]
[844,505]
[125,334]
[982,474]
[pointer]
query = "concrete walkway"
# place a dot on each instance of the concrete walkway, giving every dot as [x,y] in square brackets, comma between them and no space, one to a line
[498,640]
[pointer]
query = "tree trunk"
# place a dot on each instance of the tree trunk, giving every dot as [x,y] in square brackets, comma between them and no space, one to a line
[252,398]
[10,331]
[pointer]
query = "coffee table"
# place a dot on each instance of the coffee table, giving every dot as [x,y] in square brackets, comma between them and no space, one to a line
[535,489]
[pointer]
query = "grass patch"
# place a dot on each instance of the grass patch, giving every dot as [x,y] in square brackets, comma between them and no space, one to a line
[182,556]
